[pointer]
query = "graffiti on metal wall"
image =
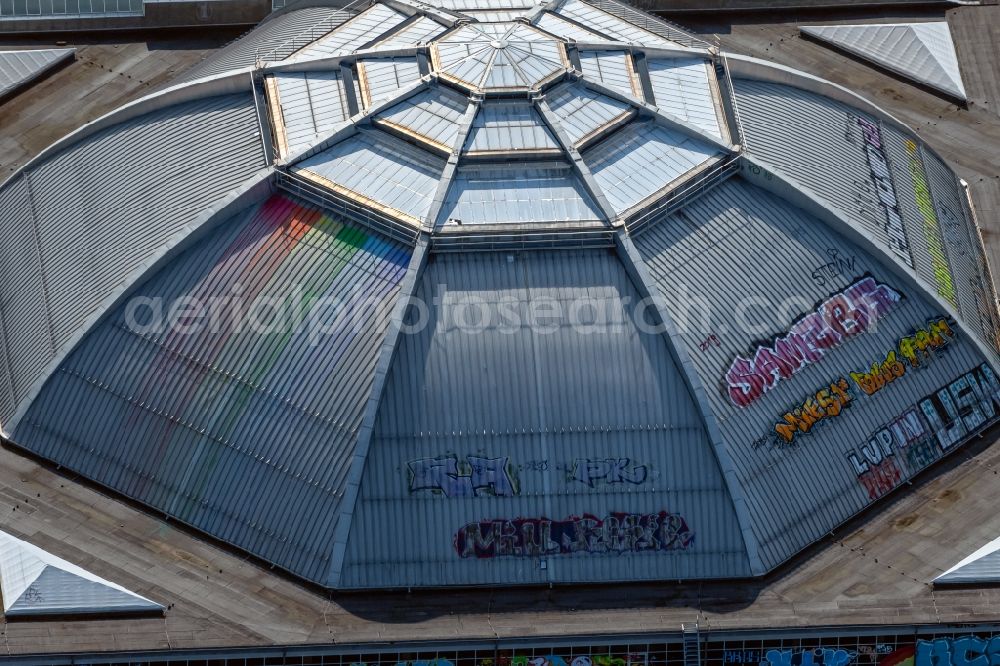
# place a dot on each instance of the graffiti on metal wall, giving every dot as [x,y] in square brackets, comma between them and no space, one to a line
[963,651]
[836,267]
[826,403]
[919,436]
[712,340]
[915,349]
[881,177]
[615,533]
[932,228]
[844,315]
[815,657]
[611,471]
[473,476]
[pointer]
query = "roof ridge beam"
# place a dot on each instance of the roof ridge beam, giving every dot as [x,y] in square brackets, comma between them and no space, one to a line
[348,503]
[576,159]
[448,175]
[635,266]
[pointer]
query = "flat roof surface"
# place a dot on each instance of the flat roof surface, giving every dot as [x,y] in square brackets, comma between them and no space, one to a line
[875,570]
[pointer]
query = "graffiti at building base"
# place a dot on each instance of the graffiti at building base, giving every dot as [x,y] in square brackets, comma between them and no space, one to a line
[632,659]
[964,651]
[615,533]
[608,471]
[840,317]
[815,657]
[932,228]
[921,434]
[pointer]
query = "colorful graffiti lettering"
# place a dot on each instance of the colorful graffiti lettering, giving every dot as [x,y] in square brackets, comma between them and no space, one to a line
[834,268]
[608,470]
[632,659]
[962,407]
[616,533]
[881,375]
[816,657]
[840,317]
[964,651]
[912,348]
[881,177]
[826,403]
[741,657]
[454,478]
[932,228]
[440,661]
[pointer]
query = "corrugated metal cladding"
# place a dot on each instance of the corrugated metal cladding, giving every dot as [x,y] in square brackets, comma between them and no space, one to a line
[382,169]
[617,28]
[612,68]
[647,22]
[682,88]
[420,31]
[239,415]
[847,448]
[267,39]
[508,126]
[380,78]
[642,159]
[19,67]
[357,33]
[560,27]
[487,423]
[312,105]
[433,115]
[77,243]
[803,134]
[584,113]
[527,193]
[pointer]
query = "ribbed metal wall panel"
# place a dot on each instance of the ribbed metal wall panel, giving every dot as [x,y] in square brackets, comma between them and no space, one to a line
[923,226]
[606,390]
[75,244]
[641,160]
[818,142]
[242,430]
[501,126]
[617,28]
[528,193]
[421,31]
[568,30]
[382,77]
[964,246]
[383,169]
[613,69]
[681,87]
[648,22]
[357,33]
[583,112]
[736,243]
[265,39]
[61,9]
[312,104]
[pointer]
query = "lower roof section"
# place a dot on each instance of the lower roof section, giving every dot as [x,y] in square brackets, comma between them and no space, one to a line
[228,390]
[513,447]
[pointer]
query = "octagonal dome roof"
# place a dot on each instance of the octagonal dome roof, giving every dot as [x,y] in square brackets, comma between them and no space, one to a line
[488,160]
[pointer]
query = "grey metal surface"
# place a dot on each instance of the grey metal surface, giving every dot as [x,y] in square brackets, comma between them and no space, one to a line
[356,33]
[527,193]
[265,39]
[544,401]
[18,68]
[615,27]
[559,26]
[380,78]
[71,243]
[681,87]
[612,68]
[803,134]
[381,169]
[921,52]
[420,31]
[243,426]
[507,127]
[641,160]
[312,104]
[584,113]
[775,265]
[433,116]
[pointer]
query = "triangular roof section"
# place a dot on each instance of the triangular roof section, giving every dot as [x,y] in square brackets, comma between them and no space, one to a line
[36,582]
[922,52]
[17,68]
[982,566]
